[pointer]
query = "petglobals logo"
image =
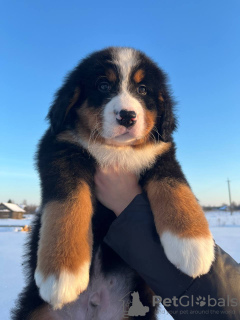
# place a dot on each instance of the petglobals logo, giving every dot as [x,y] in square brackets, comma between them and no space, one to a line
[134,307]
[201,301]
[186,301]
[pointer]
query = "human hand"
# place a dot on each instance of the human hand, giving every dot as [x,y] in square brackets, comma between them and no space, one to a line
[116,189]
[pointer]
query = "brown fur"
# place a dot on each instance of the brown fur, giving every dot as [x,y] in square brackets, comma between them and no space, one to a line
[61,219]
[150,117]
[111,75]
[148,139]
[73,100]
[91,119]
[176,209]
[139,75]
[160,97]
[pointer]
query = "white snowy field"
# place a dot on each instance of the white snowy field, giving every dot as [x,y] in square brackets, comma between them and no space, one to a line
[225,229]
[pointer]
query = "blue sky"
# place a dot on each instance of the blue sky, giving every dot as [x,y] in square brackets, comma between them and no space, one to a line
[196,42]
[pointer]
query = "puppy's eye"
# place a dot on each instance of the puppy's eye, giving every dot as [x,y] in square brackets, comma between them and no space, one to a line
[142,90]
[104,86]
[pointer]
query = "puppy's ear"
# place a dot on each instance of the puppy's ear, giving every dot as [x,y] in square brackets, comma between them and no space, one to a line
[167,122]
[66,99]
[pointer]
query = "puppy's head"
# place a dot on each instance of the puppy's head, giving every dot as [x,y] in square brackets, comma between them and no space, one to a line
[116,96]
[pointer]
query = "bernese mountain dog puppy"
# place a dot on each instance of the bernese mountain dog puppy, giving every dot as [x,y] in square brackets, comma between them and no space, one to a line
[114,109]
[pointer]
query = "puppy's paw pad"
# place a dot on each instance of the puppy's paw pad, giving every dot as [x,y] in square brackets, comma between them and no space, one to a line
[193,256]
[62,289]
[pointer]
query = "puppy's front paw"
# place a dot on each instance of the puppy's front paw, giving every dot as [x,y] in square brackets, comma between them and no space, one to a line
[193,256]
[64,288]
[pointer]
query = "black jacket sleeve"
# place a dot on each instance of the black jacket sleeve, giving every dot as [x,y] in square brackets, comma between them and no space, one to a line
[215,295]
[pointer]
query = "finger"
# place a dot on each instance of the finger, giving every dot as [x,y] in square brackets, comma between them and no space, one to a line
[107,176]
[98,180]
[108,170]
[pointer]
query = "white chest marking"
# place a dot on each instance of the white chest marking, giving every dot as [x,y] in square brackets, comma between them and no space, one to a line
[126,158]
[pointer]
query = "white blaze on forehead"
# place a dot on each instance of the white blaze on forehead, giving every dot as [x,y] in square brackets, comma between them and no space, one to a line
[125,59]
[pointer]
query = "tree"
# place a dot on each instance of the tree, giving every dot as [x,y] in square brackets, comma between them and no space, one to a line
[30,209]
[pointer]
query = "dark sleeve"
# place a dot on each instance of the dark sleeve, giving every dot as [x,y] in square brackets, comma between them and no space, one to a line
[215,295]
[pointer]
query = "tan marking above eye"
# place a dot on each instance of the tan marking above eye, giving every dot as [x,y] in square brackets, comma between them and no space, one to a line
[111,75]
[139,75]
[160,97]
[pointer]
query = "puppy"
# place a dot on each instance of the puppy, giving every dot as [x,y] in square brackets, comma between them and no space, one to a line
[114,109]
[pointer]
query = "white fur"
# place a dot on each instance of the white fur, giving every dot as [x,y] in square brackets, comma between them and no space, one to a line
[111,129]
[125,158]
[193,256]
[122,157]
[125,59]
[63,289]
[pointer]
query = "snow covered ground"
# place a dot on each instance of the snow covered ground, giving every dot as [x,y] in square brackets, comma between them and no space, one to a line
[225,229]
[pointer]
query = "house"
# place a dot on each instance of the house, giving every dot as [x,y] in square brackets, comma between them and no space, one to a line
[11,210]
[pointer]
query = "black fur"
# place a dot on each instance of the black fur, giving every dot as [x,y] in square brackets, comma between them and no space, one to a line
[85,75]
[63,165]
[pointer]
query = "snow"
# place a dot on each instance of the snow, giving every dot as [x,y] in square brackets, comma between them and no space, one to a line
[11,277]
[15,222]
[223,218]
[225,229]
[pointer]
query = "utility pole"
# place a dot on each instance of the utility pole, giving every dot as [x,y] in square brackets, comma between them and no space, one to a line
[229,192]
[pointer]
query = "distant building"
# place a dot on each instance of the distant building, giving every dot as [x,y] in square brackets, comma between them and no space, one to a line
[11,210]
[224,208]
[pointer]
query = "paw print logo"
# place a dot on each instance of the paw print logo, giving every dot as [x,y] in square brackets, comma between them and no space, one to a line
[201,301]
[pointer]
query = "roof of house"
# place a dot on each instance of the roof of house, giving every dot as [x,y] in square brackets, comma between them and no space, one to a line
[13,207]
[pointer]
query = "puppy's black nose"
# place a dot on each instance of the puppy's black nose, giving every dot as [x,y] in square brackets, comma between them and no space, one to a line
[126,118]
